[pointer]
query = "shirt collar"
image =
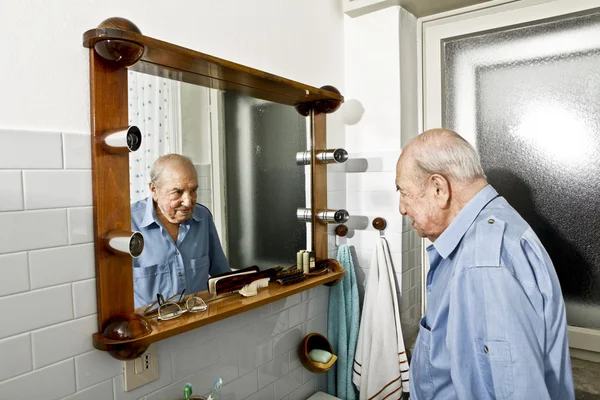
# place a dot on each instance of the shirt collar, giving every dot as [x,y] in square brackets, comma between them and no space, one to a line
[449,239]
[150,214]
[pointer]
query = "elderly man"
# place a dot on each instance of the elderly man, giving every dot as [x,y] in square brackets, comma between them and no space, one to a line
[182,247]
[495,326]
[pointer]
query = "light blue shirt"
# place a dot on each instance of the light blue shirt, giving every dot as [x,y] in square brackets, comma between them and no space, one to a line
[495,326]
[168,268]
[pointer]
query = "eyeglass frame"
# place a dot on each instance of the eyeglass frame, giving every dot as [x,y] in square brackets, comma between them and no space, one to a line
[160,300]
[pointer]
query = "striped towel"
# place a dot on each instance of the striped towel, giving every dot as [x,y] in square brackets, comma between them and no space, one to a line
[380,363]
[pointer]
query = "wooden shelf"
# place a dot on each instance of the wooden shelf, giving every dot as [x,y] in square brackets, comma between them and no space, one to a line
[218,310]
[179,63]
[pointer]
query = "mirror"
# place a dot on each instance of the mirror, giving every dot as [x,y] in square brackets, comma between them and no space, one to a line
[243,152]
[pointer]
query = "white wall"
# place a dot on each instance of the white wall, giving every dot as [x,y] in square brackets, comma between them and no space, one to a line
[380,70]
[47,288]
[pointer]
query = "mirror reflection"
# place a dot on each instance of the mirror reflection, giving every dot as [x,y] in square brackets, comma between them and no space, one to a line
[214,186]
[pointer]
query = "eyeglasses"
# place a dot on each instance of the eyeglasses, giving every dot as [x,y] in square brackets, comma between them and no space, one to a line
[171,308]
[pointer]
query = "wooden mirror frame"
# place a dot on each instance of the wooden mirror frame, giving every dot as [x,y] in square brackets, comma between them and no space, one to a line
[116,45]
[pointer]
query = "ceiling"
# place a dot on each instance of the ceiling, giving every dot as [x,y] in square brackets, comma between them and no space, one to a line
[419,8]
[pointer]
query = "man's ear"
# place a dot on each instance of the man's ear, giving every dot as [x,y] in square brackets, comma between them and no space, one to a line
[441,190]
[153,190]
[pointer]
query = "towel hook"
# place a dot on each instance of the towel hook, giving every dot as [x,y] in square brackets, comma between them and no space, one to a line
[340,231]
[379,224]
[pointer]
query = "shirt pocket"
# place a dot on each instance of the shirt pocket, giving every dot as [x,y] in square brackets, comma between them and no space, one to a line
[495,362]
[149,281]
[421,379]
[198,274]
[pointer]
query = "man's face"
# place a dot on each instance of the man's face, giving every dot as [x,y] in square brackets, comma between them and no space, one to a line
[175,193]
[417,202]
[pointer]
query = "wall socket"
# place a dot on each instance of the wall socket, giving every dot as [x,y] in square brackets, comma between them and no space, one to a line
[142,370]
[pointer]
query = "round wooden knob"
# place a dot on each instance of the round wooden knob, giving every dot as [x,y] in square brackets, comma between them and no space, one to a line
[328,106]
[122,52]
[379,223]
[341,230]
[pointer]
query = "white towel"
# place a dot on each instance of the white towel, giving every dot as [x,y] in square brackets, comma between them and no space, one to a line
[380,363]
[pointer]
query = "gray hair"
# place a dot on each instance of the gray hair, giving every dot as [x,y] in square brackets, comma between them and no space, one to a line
[445,152]
[159,165]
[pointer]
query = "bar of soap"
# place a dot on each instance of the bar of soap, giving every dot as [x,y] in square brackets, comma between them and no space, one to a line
[320,356]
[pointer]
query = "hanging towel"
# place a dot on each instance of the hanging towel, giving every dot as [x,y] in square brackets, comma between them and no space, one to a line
[342,328]
[380,363]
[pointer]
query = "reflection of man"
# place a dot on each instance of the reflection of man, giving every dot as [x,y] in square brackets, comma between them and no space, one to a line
[495,325]
[181,243]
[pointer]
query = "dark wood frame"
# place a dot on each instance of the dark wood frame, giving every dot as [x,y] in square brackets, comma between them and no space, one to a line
[116,45]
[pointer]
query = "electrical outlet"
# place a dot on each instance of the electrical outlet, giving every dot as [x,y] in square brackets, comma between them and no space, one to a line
[142,370]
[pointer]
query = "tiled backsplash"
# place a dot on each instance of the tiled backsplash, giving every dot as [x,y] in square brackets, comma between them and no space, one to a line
[48,299]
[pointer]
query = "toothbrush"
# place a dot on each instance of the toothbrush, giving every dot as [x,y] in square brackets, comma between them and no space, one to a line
[216,389]
[187,391]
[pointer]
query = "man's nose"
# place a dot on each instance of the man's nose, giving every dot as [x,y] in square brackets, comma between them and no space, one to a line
[402,208]
[186,200]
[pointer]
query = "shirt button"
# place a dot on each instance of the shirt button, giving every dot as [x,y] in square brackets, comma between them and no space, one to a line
[491,221]
[181,274]
[176,253]
[485,349]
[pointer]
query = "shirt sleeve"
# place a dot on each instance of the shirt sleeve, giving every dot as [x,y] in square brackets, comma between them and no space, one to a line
[493,337]
[218,261]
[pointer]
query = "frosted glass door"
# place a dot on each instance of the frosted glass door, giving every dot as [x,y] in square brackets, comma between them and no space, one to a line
[529,98]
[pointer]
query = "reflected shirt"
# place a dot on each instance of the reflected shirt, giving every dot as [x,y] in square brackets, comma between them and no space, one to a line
[166,267]
[495,326]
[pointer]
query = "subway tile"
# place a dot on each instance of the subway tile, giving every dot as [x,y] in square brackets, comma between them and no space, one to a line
[379,161]
[81,225]
[288,383]
[61,265]
[190,359]
[273,370]
[84,298]
[11,196]
[255,357]
[372,181]
[52,189]
[102,391]
[77,151]
[96,366]
[372,201]
[318,305]
[186,339]
[15,353]
[14,271]
[61,341]
[165,378]
[232,343]
[298,314]
[336,200]
[304,391]
[265,393]
[294,360]
[17,235]
[270,326]
[336,181]
[288,302]
[53,382]
[241,387]
[315,325]
[309,376]
[287,341]
[41,307]
[253,315]
[27,149]
[321,383]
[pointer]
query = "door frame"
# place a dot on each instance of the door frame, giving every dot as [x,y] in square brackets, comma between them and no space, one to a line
[431,30]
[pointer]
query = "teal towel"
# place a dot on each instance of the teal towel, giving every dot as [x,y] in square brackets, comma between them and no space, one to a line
[342,329]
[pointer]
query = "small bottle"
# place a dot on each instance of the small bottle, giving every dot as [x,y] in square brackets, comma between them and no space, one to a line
[299,260]
[312,260]
[306,261]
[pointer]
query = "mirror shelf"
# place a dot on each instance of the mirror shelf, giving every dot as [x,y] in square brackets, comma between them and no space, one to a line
[218,310]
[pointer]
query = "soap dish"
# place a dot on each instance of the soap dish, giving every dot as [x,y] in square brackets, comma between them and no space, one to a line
[315,341]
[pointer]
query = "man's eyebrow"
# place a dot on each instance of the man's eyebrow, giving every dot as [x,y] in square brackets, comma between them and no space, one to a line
[175,189]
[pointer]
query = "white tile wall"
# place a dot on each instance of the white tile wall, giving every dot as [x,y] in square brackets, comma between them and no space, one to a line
[61,341]
[30,230]
[15,273]
[61,265]
[52,189]
[30,150]
[18,350]
[11,196]
[77,150]
[81,225]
